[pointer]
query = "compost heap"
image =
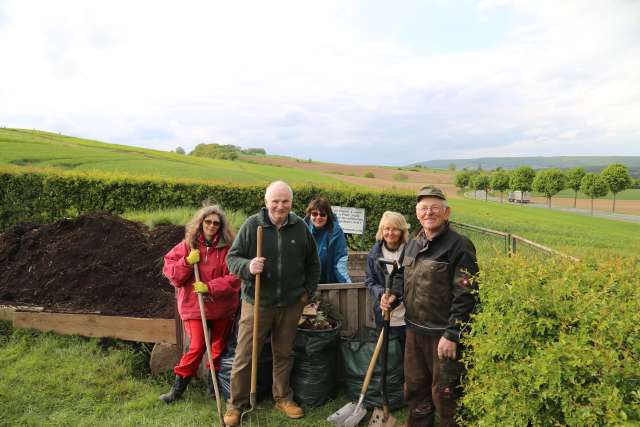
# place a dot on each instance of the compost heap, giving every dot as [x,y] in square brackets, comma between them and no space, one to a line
[96,263]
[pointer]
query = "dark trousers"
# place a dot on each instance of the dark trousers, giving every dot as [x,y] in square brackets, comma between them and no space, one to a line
[431,384]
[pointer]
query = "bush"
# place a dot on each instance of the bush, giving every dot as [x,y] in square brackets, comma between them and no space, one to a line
[369,175]
[555,343]
[45,197]
[400,177]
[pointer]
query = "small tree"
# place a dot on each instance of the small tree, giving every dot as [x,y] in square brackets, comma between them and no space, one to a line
[594,186]
[522,179]
[452,166]
[179,150]
[549,182]
[617,178]
[574,179]
[462,179]
[482,182]
[500,181]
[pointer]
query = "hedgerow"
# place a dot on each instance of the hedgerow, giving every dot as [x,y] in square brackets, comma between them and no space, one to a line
[48,196]
[555,343]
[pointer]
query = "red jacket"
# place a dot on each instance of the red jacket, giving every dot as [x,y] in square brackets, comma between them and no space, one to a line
[224,288]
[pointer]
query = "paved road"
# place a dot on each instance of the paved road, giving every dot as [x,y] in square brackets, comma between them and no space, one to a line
[600,214]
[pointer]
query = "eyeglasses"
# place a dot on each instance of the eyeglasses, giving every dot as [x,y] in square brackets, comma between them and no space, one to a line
[432,208]
[212,222]
[320,214]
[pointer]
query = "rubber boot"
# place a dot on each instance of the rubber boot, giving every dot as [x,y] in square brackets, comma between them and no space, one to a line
[179,386]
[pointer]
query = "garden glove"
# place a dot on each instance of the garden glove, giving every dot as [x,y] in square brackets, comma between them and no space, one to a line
[201,288]
[193,257]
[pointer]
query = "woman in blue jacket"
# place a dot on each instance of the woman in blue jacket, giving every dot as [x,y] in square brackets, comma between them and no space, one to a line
[330,241]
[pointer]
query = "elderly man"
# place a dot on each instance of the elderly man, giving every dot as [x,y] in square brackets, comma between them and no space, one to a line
[290,271]
[436,283]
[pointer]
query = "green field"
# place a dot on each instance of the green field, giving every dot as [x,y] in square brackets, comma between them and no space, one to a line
[631,194]
[573,234]
[38,149]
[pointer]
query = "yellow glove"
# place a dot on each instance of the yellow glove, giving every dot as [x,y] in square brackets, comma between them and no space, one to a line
[201,288]
[193,257]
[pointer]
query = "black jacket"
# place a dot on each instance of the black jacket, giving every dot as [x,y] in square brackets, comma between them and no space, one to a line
[437,283]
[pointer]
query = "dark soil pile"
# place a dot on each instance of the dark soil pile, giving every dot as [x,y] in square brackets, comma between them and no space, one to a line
[92,263]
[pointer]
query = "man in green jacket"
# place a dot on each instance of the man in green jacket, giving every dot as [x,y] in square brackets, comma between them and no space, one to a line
[289,273]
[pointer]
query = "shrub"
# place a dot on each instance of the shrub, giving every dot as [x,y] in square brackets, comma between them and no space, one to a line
[400,177]
[369,175]
[555,343]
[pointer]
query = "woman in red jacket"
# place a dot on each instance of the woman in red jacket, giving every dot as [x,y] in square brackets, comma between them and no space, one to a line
[207,240]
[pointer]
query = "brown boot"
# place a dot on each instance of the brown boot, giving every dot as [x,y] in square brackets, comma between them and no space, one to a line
[232,417]
[290,409]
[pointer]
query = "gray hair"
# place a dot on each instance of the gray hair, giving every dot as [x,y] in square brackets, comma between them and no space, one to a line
[277,184]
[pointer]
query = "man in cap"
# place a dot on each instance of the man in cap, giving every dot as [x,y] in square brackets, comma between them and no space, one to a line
[436,283]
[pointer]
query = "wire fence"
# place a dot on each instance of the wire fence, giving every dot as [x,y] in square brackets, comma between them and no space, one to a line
[492,242]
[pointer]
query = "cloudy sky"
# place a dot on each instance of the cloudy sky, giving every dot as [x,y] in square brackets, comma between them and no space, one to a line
[384,82]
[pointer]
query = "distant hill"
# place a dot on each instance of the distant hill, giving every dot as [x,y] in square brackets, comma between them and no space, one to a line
[589,163]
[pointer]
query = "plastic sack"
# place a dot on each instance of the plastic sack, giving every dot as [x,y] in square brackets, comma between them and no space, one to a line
[356,352]
[313,378]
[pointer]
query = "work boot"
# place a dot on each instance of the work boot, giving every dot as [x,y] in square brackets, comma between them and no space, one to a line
[176,391]
[232,417]
[290,409]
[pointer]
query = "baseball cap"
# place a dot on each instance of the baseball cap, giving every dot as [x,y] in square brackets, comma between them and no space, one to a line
[430,191]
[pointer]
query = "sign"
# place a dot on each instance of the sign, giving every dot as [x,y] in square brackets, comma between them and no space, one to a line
[351,219]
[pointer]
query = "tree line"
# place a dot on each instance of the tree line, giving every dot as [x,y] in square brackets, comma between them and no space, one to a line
[221,151]
[549,182]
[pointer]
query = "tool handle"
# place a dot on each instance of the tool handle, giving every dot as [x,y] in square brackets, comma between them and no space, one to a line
[256,319]
[372,363]
[207,341]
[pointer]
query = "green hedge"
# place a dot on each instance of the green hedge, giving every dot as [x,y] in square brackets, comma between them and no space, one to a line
[555,343]
[45,197]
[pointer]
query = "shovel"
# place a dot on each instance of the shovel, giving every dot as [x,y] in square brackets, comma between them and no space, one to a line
[208,344]
[350,415]
[256,324]
[382,418]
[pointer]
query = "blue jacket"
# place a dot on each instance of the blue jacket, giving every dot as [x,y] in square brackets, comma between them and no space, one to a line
[332,251]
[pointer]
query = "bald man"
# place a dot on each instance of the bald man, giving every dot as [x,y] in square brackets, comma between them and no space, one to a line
[290,271]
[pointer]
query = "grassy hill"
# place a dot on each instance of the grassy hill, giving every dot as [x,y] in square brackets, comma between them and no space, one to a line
[589,163]
[39,149]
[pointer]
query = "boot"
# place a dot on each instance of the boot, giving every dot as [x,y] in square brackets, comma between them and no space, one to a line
[176,391]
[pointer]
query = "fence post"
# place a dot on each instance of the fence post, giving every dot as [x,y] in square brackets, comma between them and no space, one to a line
[513,245]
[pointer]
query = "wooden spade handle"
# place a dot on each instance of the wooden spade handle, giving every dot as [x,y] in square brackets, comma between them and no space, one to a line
[256,320]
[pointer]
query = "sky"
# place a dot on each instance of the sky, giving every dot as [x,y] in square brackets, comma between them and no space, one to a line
[359,82]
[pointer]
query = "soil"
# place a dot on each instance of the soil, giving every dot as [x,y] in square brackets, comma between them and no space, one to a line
[96,263]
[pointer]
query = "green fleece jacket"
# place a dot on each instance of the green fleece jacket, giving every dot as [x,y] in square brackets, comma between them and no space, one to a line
[291,268]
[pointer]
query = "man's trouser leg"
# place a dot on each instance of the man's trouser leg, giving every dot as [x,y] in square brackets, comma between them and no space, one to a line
[241,369]
[418,379]
[283,333]
[446,388]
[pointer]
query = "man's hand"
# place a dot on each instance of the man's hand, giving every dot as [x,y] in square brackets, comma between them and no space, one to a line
[386,302]
[447,349]
[256,265]
[193,257]
[201,288]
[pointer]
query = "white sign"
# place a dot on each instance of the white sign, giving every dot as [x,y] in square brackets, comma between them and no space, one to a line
[351,219]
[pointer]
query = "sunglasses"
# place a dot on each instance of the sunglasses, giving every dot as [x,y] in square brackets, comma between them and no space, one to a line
[212,222]
[320,214]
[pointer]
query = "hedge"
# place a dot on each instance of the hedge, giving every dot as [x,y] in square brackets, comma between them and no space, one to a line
[555,343]
[46,197]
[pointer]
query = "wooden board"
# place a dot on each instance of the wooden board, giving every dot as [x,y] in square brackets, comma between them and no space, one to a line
[93,325]
[6,313]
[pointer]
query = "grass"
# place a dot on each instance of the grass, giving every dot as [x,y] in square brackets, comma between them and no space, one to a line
[22,147]
[570,233]
[630,194]
[52,380]
[178,216]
